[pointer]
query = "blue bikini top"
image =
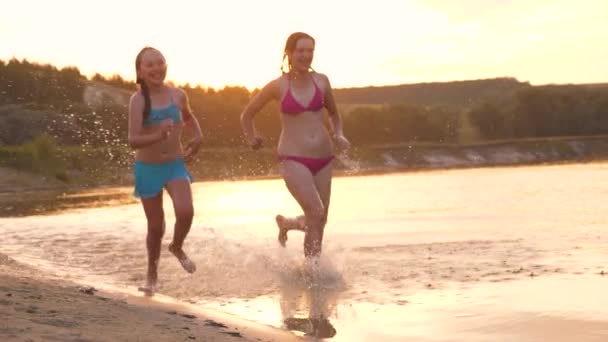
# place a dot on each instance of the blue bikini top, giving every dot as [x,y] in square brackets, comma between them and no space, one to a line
[157,115]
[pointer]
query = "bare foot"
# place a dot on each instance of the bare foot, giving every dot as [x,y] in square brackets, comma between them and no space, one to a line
[283,229]
[183,259]
[322,328]
[149,290]
[299,324]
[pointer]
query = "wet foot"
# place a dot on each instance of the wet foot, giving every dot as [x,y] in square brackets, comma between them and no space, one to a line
[149,290]
[316,327]
[183,259]
[322,328]
[299,324]
[283,229]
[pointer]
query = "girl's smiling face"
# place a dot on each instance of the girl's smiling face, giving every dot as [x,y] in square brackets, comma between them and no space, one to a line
[152,67]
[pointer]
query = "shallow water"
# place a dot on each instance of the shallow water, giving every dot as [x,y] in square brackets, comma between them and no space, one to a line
[501,254]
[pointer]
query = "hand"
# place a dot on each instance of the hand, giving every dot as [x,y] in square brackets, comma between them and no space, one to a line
[166,126]
[256,143]
[192,148]
[341,142]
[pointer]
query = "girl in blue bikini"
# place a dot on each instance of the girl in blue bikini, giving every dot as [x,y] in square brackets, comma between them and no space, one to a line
[305,148]
[157,114]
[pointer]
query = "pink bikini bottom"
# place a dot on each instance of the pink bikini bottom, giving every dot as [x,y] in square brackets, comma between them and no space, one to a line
[313,164]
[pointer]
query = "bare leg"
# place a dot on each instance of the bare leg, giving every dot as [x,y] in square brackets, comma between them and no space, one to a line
[323,187]
[301,185]
[153,208]
[181,194]
[286,224]
[321,327]
[323,183]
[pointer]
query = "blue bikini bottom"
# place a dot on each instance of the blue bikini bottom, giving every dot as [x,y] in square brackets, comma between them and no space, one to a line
[151,178]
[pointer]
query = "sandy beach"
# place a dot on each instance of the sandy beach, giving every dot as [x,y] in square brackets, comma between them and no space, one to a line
[39,307]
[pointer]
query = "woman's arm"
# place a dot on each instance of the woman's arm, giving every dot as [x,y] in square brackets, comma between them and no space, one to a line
[334,117]
[136,137]
[253,107]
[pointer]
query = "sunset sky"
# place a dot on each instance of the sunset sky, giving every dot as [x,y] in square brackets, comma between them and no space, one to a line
[359,42]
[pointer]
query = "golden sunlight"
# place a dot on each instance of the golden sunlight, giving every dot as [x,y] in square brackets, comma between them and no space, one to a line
[359,43]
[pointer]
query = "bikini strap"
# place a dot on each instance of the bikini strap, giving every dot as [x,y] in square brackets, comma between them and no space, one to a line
[171,97]
[288,92]
[288,82]
[313,79]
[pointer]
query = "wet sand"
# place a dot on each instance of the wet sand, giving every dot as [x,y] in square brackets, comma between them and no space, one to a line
[38,307]
[557,309]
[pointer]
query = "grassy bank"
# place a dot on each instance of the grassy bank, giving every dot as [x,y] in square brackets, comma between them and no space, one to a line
[491,153]
[78,166]
[42,177]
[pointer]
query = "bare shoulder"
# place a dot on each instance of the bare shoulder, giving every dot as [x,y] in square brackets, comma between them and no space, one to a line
[178,93]
[274,86]
[322,79]
[278,82]
[136,98]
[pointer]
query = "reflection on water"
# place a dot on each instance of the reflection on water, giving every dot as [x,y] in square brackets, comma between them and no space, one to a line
[309,294]
[405,254]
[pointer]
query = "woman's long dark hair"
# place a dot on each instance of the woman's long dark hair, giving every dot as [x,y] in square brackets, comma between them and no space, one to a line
[290,46]
[143,86]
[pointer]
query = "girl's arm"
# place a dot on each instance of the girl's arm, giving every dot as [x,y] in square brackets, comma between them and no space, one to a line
[192,124]
[189,119]
[136,137]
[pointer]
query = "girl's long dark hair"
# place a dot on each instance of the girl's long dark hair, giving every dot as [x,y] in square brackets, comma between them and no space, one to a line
[143,86]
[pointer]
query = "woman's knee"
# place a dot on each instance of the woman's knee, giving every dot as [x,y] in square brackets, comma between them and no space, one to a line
[316,216]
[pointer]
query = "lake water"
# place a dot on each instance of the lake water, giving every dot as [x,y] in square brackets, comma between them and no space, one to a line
[501,254]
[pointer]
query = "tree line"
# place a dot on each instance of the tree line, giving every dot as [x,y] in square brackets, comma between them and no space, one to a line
[42,99]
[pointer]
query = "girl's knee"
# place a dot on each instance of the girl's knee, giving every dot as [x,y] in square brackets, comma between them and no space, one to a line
[156,227]
[184,213]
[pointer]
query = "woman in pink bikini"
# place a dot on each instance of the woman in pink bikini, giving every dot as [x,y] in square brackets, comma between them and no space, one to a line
[305,148]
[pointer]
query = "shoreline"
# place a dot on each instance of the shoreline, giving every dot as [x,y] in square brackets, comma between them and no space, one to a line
[38,306]
[22,200]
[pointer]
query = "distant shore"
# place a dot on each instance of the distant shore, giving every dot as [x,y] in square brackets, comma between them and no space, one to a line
[27,193]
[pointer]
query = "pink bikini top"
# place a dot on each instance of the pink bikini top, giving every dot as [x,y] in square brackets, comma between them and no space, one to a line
[289,104]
